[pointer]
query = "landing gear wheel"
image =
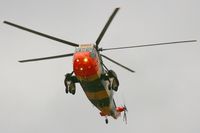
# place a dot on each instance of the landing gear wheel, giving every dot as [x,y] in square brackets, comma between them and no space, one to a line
[72,88]
[109,86]
[106,120]
[115,84]
[66,86]
[66,90]
[70,84]
[114,81]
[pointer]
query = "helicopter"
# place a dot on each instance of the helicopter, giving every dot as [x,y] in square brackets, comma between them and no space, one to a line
[97,81]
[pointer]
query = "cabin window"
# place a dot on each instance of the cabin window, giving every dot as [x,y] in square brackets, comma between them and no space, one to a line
[93,54]
[78,50]
[88,49]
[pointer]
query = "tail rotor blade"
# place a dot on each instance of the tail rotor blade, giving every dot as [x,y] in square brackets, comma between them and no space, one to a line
[125,116]
[42,34]
[46,58]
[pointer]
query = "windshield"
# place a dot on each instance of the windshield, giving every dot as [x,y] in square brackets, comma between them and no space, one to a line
[78,49]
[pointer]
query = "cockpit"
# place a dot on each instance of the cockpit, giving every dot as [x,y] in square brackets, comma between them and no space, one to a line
[85,61]
[82,49]
[86,48]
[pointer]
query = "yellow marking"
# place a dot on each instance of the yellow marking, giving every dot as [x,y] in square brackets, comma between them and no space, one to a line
[97,95]
[105,110]
[90,78]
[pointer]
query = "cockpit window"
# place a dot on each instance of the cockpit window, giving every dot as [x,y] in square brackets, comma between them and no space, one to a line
[78,50]
[87,49]
[83,49]
[93,54]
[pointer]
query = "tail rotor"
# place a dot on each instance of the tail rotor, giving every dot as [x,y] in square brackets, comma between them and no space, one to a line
[125,111]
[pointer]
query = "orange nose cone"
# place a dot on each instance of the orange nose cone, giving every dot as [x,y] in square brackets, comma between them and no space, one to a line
[84,65]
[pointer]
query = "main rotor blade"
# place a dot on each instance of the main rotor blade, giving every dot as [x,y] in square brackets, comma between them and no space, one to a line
[148,45]
[117,63]
[106,26]
[46,58]
[42,34]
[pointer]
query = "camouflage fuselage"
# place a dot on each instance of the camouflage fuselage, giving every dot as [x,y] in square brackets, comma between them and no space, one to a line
[88,69]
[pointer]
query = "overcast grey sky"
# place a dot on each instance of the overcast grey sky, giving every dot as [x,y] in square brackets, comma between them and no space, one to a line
[162,96]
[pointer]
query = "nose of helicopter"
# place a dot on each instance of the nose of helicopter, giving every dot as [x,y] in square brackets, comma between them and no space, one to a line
[84,65]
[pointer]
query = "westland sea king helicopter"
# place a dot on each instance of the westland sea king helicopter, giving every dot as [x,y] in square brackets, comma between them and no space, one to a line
[98,81]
